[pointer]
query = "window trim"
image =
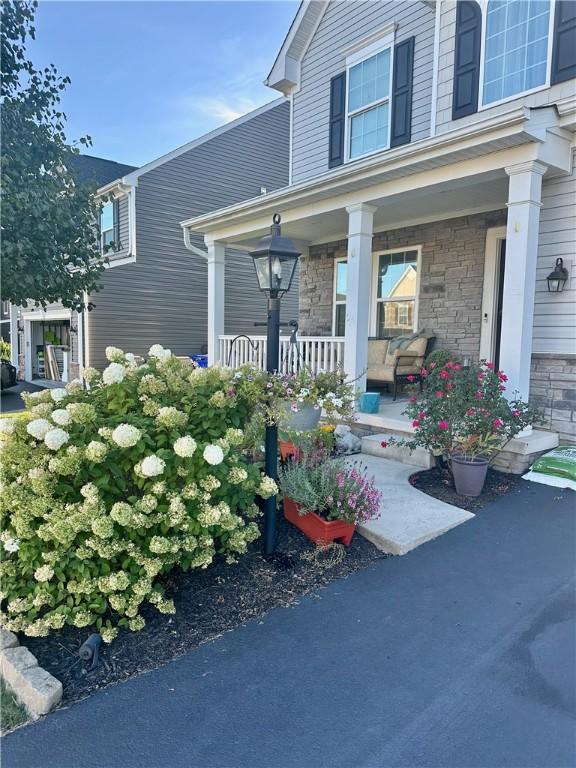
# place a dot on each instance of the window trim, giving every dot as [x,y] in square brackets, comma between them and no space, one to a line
[384,42]
[481,105]
[374,300]
[336,303]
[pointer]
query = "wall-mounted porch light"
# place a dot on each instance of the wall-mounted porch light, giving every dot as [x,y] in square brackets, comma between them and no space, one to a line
[558,277]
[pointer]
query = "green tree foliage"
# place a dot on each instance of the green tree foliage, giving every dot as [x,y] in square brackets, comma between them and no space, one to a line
[49,242]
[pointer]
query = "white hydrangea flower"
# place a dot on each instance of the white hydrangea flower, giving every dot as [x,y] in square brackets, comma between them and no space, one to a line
[11,545]
[55,438]
[213,454]
[96,451]
[185,446]
[90,374]
[38,428]
[158,351]
[44,573]
[125,435]
[61,416]
[58,394]
[74,386]
[152,466]
[113,374]
[267,487]
[114,354]
[7,426]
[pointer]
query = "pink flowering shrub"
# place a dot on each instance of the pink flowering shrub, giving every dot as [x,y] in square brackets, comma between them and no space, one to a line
[464,411]
[333,489]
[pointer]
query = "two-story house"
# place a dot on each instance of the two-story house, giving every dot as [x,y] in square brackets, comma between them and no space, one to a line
[432,180]
[155,288]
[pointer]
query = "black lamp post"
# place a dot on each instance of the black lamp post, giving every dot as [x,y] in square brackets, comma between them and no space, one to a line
[275,259]
[557,278]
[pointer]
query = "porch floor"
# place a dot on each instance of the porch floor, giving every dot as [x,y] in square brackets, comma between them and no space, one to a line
[390,416]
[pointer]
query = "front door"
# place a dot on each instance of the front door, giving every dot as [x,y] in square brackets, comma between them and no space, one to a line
[500,292]
[494,266]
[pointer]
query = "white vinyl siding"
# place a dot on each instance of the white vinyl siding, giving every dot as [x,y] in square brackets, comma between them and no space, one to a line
[345,24]
[555,314]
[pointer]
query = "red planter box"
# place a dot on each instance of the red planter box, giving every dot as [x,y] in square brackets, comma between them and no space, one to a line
[316,528]
[289,451]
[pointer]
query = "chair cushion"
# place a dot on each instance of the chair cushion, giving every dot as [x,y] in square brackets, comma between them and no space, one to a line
[380,373]
[377,349]
[418,345]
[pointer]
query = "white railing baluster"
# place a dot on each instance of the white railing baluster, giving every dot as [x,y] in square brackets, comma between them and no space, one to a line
[313,352]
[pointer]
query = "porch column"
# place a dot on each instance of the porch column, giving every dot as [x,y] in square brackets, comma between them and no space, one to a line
[215,260]
[14,340]
[359,274]
[524,203]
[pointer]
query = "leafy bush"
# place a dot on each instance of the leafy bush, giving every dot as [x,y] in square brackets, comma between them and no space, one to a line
[5,349]
[333,489]
[438,358]
[464,411]
[105,490]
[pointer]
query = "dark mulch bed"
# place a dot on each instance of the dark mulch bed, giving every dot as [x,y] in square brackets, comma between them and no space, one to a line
[438,482]
[208,603]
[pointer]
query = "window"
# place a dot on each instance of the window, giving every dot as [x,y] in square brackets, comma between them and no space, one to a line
[368,99]
[340,276]
[107,225]
[515,47]
[396,287]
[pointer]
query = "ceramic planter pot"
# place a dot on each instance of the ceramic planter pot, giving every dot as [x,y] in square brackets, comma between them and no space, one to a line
[288,450]
[315,527]
[469,474]
[304,420]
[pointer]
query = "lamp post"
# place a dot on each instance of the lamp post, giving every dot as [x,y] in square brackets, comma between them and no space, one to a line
[275,258]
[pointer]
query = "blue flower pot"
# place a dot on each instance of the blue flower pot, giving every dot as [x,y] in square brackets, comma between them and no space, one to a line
[370,402]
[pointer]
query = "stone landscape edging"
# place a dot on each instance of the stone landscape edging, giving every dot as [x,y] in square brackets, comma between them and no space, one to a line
[34,687]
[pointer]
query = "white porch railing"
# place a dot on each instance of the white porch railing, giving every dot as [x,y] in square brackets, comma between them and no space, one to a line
[317,353]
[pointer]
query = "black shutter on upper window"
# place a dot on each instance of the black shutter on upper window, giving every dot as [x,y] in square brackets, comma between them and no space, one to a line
[337,120]
[116,219]
[401,120]
[467,43]
[564,42]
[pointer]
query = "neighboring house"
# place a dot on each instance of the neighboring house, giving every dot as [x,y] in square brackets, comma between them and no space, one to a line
[438,137]
[155,288]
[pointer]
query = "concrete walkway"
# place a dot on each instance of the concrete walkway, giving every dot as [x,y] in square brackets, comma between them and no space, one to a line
[458,655]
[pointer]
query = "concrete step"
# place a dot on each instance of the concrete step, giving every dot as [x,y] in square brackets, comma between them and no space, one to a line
[408,517]
[372,445]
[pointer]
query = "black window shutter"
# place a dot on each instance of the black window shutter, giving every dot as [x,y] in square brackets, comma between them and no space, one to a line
[564,42]
[466,58]
[402,93]
[116,219]
[337,120]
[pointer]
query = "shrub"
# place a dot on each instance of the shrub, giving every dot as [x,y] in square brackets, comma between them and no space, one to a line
[105,490]
[5,349]
[464,411]
[438,358]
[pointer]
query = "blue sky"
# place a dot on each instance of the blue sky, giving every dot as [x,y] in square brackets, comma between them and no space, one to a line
[149,76]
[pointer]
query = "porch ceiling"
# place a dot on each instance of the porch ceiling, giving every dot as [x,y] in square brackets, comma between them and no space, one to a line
[433,203]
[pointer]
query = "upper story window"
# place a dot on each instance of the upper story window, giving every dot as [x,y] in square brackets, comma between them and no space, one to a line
[369,104]
[107,225]
[515,47]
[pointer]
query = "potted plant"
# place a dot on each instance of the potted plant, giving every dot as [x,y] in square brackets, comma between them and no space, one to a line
[326,500]
[463,415]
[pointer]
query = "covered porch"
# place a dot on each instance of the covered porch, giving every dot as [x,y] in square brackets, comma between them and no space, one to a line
[413,241]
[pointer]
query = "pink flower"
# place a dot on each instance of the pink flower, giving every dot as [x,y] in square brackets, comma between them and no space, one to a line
[479,375]
[415,423]
[269,385]
[470,412]
[449,387]
[439,393]
[516,412]
[456,367]
[231,392]
[412,399]
[424,371]
[384,444]
[432,365]
[294,408]
[442,424]
[502,376]
[490,366]
[422,415]
[497,423]
[444,375]
[501,388]
[411,378]
[479,395]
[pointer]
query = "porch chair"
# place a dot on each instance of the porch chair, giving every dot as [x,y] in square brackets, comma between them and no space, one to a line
[406,358]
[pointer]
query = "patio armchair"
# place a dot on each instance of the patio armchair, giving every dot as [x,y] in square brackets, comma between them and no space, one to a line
[391,367]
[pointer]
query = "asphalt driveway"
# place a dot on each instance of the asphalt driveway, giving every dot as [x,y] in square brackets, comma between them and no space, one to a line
[457,655]
[10,400]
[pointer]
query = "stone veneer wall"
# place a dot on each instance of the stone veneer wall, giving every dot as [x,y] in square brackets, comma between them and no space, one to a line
[451,279]
[553,390]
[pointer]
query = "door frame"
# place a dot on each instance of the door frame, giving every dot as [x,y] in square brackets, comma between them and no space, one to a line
[488,322]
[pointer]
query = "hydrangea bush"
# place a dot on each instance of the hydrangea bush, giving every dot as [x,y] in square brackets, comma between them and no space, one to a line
[106,489]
